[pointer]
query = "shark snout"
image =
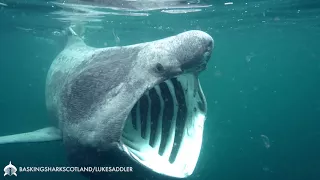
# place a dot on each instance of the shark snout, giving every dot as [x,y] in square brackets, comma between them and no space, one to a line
[195,50]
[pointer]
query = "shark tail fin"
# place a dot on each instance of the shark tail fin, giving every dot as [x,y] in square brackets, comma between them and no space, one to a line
[40,135]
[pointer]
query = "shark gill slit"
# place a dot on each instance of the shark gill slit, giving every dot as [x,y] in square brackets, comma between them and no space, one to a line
[144,107]
[155,113]
[134,116]
[181,118]
[167,116]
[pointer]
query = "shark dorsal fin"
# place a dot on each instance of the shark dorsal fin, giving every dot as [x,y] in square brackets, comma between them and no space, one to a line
[75,33]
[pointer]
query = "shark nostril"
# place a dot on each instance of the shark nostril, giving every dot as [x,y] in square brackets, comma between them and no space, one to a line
[206,54]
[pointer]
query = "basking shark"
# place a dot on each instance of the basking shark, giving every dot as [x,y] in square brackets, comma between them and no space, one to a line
[141,102]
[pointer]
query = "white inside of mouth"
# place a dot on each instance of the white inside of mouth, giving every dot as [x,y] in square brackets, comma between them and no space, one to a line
[187,155]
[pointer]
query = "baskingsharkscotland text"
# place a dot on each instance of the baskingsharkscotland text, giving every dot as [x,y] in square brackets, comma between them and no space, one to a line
[76,169]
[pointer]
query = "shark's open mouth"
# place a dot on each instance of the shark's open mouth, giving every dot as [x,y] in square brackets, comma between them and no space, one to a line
[164,129]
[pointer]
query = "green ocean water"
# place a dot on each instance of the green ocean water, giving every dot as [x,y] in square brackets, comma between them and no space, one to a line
[262,83]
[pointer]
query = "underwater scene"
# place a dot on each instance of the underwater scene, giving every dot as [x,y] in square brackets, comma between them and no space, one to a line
[160,89]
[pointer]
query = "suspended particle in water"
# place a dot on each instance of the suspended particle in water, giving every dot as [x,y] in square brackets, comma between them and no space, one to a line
[266,169]
[56,33]
[265,141]
[217,73]
[250,56]
[44,70]
[228,3]
[3,4]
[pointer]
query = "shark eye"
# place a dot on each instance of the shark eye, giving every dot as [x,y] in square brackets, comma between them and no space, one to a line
[159,67]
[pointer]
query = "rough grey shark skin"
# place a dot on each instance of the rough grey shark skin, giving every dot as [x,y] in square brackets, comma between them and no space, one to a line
[92,91]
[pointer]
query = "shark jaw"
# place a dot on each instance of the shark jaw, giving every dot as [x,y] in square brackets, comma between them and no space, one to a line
[164,130]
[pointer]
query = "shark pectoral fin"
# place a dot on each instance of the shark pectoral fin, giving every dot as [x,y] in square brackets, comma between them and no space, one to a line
[40,135]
